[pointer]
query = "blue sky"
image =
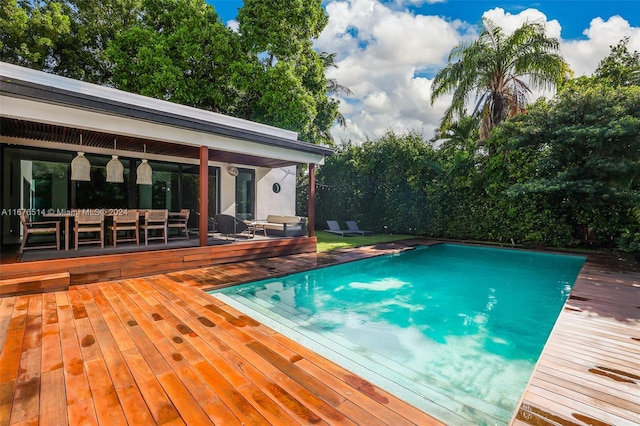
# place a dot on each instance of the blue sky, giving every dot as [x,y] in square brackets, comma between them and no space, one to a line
[387,51]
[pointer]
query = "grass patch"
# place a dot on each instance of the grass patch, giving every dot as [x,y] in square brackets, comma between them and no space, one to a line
[328,241]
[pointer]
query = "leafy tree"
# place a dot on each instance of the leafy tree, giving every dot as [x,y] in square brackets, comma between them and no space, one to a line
[282,81]
[620,67]
[65,37]
[29,32]
[380,183]
[590,137]
[94,23]
[280,29]
[492,69]
[179,51]
[461,136]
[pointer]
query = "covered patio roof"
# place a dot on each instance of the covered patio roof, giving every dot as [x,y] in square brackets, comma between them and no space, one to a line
[40,109]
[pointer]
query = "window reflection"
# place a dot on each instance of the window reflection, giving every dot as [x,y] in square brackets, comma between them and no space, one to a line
[39,179]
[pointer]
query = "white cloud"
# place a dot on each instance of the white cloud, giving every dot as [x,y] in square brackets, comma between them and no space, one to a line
[234,25]
[584,55]
[381,55]
[387,56]
[510,23]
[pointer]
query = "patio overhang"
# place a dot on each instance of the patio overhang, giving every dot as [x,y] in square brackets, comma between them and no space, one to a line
[43,108]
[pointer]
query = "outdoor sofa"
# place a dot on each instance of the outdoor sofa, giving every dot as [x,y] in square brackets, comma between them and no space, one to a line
[285,226]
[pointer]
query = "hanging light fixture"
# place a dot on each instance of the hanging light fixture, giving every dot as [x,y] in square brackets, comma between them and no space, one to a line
[115,169]
[144,172]
[80,166]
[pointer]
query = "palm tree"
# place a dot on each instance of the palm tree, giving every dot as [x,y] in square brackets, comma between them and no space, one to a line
[333,87]
[461,135]
[493,69]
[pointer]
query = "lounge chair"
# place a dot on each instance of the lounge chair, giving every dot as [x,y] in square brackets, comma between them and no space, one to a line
[353,226]
[334,228]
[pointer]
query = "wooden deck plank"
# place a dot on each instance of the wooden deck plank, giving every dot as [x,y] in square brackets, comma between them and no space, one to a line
[169,347]
[26,401]
[76,382]
[143,343]
[10,357]
[53,401]
[105,267]
[184,403]
[219,322]
[586,390]
[581,375]
[238,406]
[591,410]
[53,405]
[82,413]
[104,341]
[6,311]
[107,405]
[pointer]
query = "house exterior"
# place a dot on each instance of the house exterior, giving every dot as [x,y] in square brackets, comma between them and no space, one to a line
[200,160]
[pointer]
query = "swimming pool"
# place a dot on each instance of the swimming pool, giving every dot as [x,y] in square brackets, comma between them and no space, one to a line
[455,330]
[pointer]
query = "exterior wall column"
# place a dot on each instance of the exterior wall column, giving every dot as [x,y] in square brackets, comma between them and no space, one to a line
[311,200]
[203,226]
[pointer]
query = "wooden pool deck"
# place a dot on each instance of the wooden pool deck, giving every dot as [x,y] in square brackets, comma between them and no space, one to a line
[158,350]
[589,371]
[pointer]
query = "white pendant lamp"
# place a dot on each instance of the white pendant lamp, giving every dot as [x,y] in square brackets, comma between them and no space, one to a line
[144,172]
[81,167]
[115,169]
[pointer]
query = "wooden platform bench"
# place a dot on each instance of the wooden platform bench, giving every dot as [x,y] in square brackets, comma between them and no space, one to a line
[35,284]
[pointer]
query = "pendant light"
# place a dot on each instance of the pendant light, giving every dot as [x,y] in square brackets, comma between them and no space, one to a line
[115,169]
[81,167]
[144,172]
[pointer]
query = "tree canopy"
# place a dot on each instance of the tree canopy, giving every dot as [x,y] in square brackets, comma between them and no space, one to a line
[178,51]
[620,67]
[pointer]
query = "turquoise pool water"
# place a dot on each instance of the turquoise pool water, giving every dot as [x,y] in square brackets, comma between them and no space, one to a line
[455,330]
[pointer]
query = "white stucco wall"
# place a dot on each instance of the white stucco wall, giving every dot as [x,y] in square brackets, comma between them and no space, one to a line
[267,202]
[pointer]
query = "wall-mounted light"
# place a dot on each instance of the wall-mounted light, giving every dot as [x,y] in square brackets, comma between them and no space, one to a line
[232,170]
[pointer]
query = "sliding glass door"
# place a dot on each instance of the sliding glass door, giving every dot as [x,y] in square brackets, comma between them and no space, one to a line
[245,194]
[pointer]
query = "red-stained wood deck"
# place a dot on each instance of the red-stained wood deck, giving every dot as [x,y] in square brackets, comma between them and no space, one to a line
[589,371]
[21,277]
[159,350]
